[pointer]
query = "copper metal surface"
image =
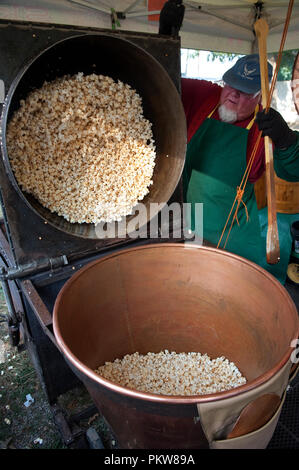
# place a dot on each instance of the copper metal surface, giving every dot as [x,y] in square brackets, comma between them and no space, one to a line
[255,414]
[176,297]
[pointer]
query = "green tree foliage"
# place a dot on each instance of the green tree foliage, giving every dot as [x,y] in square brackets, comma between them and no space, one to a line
[286,65]
[222,56]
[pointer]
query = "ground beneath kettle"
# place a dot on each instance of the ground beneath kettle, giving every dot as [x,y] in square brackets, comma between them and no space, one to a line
[26,418]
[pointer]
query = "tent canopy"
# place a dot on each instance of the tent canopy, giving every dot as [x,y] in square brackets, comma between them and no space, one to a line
[217,25]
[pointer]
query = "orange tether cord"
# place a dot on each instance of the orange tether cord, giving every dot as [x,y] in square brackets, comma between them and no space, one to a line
[241,188]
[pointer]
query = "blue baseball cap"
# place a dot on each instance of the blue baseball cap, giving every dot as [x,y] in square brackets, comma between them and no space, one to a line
[245,74]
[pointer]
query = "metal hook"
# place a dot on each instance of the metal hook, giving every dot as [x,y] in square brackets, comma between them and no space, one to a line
[259,6]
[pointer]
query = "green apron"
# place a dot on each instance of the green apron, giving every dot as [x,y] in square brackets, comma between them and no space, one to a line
[215,165]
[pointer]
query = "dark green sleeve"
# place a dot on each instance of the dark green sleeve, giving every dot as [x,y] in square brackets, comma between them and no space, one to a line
[286,162]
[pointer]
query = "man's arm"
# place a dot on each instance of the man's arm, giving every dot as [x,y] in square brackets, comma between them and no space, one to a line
[286,161]
[286,144]
[198,98]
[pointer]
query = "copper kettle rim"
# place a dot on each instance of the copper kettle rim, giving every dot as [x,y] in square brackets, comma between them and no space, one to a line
[177,399]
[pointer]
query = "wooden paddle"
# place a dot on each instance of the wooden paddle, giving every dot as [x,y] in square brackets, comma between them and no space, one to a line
[255,415]
[272,247]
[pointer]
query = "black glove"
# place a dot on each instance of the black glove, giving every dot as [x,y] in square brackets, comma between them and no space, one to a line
[273,125]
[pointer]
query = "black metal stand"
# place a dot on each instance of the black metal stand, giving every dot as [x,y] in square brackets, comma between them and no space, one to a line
[37,258]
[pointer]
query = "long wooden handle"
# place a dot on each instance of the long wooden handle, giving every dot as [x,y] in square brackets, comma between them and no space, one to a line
[272,247]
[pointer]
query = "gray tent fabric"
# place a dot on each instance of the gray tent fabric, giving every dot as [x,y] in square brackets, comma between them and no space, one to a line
[216,25]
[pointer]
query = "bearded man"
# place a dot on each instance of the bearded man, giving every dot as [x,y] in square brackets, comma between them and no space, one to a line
[223,124]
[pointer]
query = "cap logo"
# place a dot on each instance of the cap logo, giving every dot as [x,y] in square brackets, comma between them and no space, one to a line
[246,72]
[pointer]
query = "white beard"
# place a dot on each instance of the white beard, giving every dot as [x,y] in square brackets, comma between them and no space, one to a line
[227,115]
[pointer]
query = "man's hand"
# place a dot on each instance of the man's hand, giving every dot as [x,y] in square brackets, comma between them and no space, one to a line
[273,125]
